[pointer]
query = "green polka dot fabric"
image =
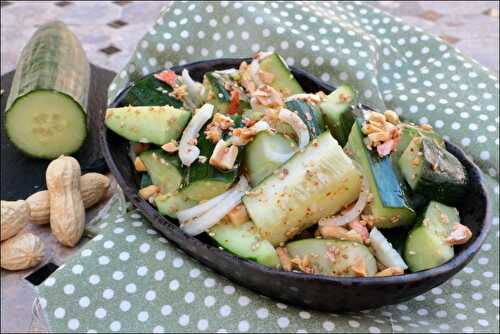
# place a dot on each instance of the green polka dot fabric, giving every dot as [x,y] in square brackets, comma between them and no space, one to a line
[130,279]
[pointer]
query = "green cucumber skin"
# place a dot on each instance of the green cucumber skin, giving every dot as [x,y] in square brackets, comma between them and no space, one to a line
[284,80]
[167,175]
[150,91]
[239,240]
[388,189]
[349,253]
[44,66]
[337,114]
[309,114]
[222,98]
[425,246]
[169,204]
[408,133]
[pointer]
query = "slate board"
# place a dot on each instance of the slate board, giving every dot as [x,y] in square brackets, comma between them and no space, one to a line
[20,175]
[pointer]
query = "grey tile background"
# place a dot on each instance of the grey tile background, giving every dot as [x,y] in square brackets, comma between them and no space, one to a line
[116,26]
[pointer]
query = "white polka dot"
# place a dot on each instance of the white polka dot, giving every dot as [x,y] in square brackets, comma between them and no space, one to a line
[177,262]
[195,272]
[108,244]
[243,326]
[243,300]
[131,288]
[166,310]
[225,310]
[115,326]
[373,329]
[130,238]
[94,279]
[73,324]
[108,294]
[49,281]
[103,260]
[262,313]
[189,297]
[125,305]
[77,269]
[184,320]
[59,313]
[143,316]
[328,326]
[118,275]
[142,271]
[84,302]
[283,322]
[174,285]
[100,313]
[209,301]
[69,289]
[144,248]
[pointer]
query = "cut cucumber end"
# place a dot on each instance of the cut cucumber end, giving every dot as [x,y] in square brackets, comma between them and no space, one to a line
[46,124]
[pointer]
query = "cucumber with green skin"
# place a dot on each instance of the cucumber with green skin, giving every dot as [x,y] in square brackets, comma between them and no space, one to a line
[170,204]
[164,169]
[265,154]
[46,107]
[150,91]
[333,257]
[433,172]
[337,112]
[152,124]
[408,132]
[390,206]
[221,97]
[283,81]
[309,114]
[426,245]
[244,241]
[316,183]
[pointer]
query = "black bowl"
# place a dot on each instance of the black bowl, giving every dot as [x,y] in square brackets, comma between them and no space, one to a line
[313,291]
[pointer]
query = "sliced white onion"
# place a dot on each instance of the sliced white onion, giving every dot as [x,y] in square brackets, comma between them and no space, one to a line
[384,251]
[188,153]
[200,209]
[195,89]
[254,71]
[216,212]
[355,211]
[229,71]
[297,124]
[304,96]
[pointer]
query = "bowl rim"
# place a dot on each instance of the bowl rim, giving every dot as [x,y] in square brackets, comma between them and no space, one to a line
[458,261]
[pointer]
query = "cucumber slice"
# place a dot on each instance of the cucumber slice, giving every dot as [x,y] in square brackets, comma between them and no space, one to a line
[170,204]
[309,114]
[157,125]
[284,81]
[145,180]
[164,169]
[151,92]
[244,241]
[45,114]
[384,251]
[433,172]
[345,255]
[220,96]
[265,154]
[337,111]
[390,206]
[408,132]
[320,181]
[425,247]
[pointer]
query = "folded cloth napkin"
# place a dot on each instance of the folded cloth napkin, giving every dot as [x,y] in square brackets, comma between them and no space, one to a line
[129,278]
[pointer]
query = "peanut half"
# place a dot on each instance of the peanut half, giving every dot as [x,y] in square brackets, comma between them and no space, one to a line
[15,215]
[23,251]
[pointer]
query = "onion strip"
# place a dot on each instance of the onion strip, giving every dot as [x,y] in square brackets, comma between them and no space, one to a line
[354,212]
[297,124]
[188,153]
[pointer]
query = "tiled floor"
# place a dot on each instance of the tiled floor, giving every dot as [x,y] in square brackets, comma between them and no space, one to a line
[109,30]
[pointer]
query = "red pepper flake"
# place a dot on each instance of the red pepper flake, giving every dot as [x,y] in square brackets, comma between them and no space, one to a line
[235,102]
[167,76]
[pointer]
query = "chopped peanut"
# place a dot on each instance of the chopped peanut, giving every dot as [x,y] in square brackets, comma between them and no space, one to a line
[379,136]
[223,157]
[360,228]
[459,235]
[391,271]
[171,147]
[238,215]
[286,263]
[369,128]
[139,165]
[268,96]
[377,117]
[149,191]
[359,268]
[391,117]
[339,232]
[222,121]
[213,133]
[426,127]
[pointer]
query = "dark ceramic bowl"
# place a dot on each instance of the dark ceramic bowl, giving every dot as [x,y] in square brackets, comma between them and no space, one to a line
[312,291]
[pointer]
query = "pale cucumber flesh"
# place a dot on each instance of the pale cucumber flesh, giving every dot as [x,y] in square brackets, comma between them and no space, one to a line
[333,257]
[205,189]
[170,204]
[46,124]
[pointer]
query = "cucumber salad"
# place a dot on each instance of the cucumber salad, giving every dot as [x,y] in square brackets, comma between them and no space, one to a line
[298,181]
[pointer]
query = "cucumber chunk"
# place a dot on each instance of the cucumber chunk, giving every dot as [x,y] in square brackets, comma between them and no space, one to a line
[164,169]
[151,92]
[384,251]
[284,81]
[390,206]
[333,257]
[170,204]
[219,96]
[244,241]
[409,132]
[157,125]
[265,154]
[432,171]
[337,111]
[316,183]
[45,111]
[426,245]
[309,114]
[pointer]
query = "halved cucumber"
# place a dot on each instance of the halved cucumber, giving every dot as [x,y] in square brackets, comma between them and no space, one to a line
[337,111]
[164,169]
[426,245]
[46,106]
[333,257]
[157,125]
[390,206]
[315,183]
[283,81]
[265,154]
[244,240]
